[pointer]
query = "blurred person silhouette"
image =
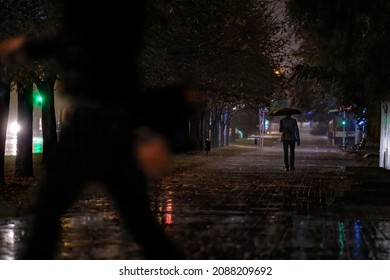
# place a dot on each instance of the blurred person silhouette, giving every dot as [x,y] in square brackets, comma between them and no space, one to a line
[96,49]
[290,134]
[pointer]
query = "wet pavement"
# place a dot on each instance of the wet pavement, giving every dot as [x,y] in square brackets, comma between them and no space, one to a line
[236,203]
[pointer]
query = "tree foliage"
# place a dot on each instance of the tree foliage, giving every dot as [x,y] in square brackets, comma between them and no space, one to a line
[33,19]
[344,44]
[222,47]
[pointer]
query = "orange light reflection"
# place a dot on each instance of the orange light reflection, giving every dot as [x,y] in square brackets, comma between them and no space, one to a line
[168,217]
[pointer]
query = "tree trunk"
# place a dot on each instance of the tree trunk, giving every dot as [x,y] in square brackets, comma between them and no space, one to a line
[49,128]
[195,123]
[205,127]
[227,141]
[24,157]
[215,131]
[4,110]
[222,133]
[224,124]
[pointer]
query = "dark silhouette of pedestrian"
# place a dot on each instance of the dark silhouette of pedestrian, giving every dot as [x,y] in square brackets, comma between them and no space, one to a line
[290,135]
[96,49]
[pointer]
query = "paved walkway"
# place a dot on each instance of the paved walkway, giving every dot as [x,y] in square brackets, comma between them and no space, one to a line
[237,203]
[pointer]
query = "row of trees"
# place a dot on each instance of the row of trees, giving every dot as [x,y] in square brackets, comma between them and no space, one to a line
[226,50]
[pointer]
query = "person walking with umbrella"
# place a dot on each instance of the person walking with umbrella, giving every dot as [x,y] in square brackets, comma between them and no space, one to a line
[290,134]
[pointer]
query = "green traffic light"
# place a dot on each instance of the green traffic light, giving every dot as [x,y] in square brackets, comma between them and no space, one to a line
[38,100]
[343,122]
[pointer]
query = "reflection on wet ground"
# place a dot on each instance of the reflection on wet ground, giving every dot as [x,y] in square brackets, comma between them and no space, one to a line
[11,231]
[234,206]
[97,234]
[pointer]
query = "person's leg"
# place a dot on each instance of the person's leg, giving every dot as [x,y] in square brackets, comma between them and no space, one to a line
[59,188]
[128,188]
[285,150]
[292,155]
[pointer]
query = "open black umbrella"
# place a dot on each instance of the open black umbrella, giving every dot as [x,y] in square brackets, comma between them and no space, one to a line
[284,112]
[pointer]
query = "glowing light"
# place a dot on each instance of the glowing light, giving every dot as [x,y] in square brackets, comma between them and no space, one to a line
[14,127]
[38,99]
[168,216]
[341,238]
[37,145]
[239,132]
[37,148]
[9,238]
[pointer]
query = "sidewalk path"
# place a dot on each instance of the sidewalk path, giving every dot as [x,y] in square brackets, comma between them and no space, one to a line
[237,203]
